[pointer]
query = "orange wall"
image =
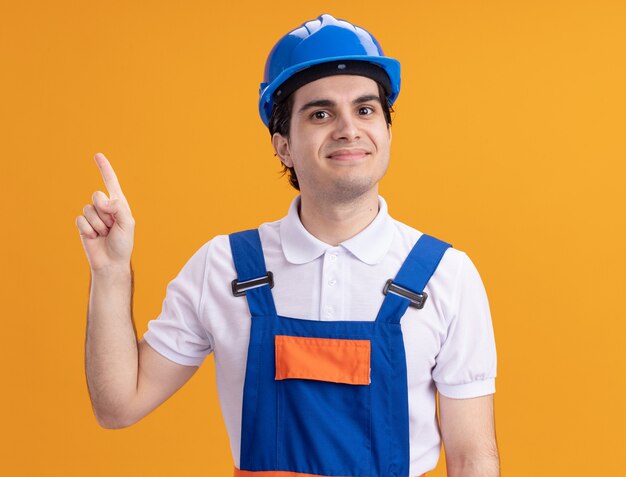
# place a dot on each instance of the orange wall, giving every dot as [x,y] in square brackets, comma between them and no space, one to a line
[508,141]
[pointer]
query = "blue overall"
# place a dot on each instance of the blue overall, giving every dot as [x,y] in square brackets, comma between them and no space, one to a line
[308,426]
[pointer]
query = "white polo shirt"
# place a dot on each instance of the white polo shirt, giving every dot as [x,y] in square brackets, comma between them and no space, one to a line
[449,344]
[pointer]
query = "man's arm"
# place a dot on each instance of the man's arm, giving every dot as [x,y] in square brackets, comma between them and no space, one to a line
[469,436]
[126,381]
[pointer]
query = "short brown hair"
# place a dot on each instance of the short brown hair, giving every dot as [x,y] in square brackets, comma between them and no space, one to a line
[280,120]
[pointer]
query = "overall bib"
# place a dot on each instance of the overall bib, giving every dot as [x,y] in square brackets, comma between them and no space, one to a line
[326,398]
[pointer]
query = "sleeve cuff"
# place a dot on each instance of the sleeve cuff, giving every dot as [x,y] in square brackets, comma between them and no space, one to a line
[468,390]
[165,351]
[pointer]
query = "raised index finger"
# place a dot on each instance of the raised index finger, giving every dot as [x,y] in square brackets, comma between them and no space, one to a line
[108,174]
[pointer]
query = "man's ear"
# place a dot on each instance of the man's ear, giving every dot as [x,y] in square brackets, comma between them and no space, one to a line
[280,144]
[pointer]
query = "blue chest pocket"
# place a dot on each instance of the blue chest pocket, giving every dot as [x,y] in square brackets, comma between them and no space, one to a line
[324,405]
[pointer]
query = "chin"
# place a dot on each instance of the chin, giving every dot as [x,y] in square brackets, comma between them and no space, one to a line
[347,189]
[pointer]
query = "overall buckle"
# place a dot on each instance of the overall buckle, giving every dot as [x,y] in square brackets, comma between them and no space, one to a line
[239,288]
[417,299]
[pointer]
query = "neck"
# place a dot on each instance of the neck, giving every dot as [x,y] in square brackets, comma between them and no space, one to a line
[335,222]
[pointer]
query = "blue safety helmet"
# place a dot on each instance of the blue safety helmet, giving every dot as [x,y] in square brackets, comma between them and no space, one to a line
[338,47]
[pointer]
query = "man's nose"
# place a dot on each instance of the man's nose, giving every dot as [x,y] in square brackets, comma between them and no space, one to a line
[346,127]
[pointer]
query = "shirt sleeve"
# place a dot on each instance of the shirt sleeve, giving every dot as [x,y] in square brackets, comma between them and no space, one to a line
[177,333]
[466,364]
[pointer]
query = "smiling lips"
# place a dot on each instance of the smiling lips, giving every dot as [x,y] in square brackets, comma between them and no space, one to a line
[347,154]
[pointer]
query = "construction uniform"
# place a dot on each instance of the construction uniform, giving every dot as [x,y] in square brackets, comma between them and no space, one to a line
[324,374]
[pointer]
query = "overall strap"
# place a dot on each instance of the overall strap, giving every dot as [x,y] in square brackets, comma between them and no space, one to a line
[253,279]
[407,289]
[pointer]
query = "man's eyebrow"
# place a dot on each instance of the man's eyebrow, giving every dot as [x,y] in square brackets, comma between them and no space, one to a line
[327,103]
[366,98]
[317,103]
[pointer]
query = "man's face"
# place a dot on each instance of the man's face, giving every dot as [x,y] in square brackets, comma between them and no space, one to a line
[339,140]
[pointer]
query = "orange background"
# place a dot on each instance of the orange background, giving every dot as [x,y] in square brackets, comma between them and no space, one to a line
[508,142]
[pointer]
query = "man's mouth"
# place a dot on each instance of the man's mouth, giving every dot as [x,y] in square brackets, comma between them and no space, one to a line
[348,154]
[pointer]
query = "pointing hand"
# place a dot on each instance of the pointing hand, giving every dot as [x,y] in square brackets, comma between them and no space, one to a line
[107,227]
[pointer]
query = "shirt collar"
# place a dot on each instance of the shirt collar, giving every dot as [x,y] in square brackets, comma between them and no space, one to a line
[370,245]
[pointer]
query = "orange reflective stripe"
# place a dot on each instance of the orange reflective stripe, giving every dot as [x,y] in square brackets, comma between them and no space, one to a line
[276,473]
[270,473]
[323,359]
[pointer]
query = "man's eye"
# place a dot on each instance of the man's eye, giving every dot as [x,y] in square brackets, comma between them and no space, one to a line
[320,115]
[366,110]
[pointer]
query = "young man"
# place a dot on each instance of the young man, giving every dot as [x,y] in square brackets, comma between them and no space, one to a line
[333,328]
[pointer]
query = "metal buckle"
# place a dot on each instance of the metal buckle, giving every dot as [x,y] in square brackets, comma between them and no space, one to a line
[239,288]
[417,299]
